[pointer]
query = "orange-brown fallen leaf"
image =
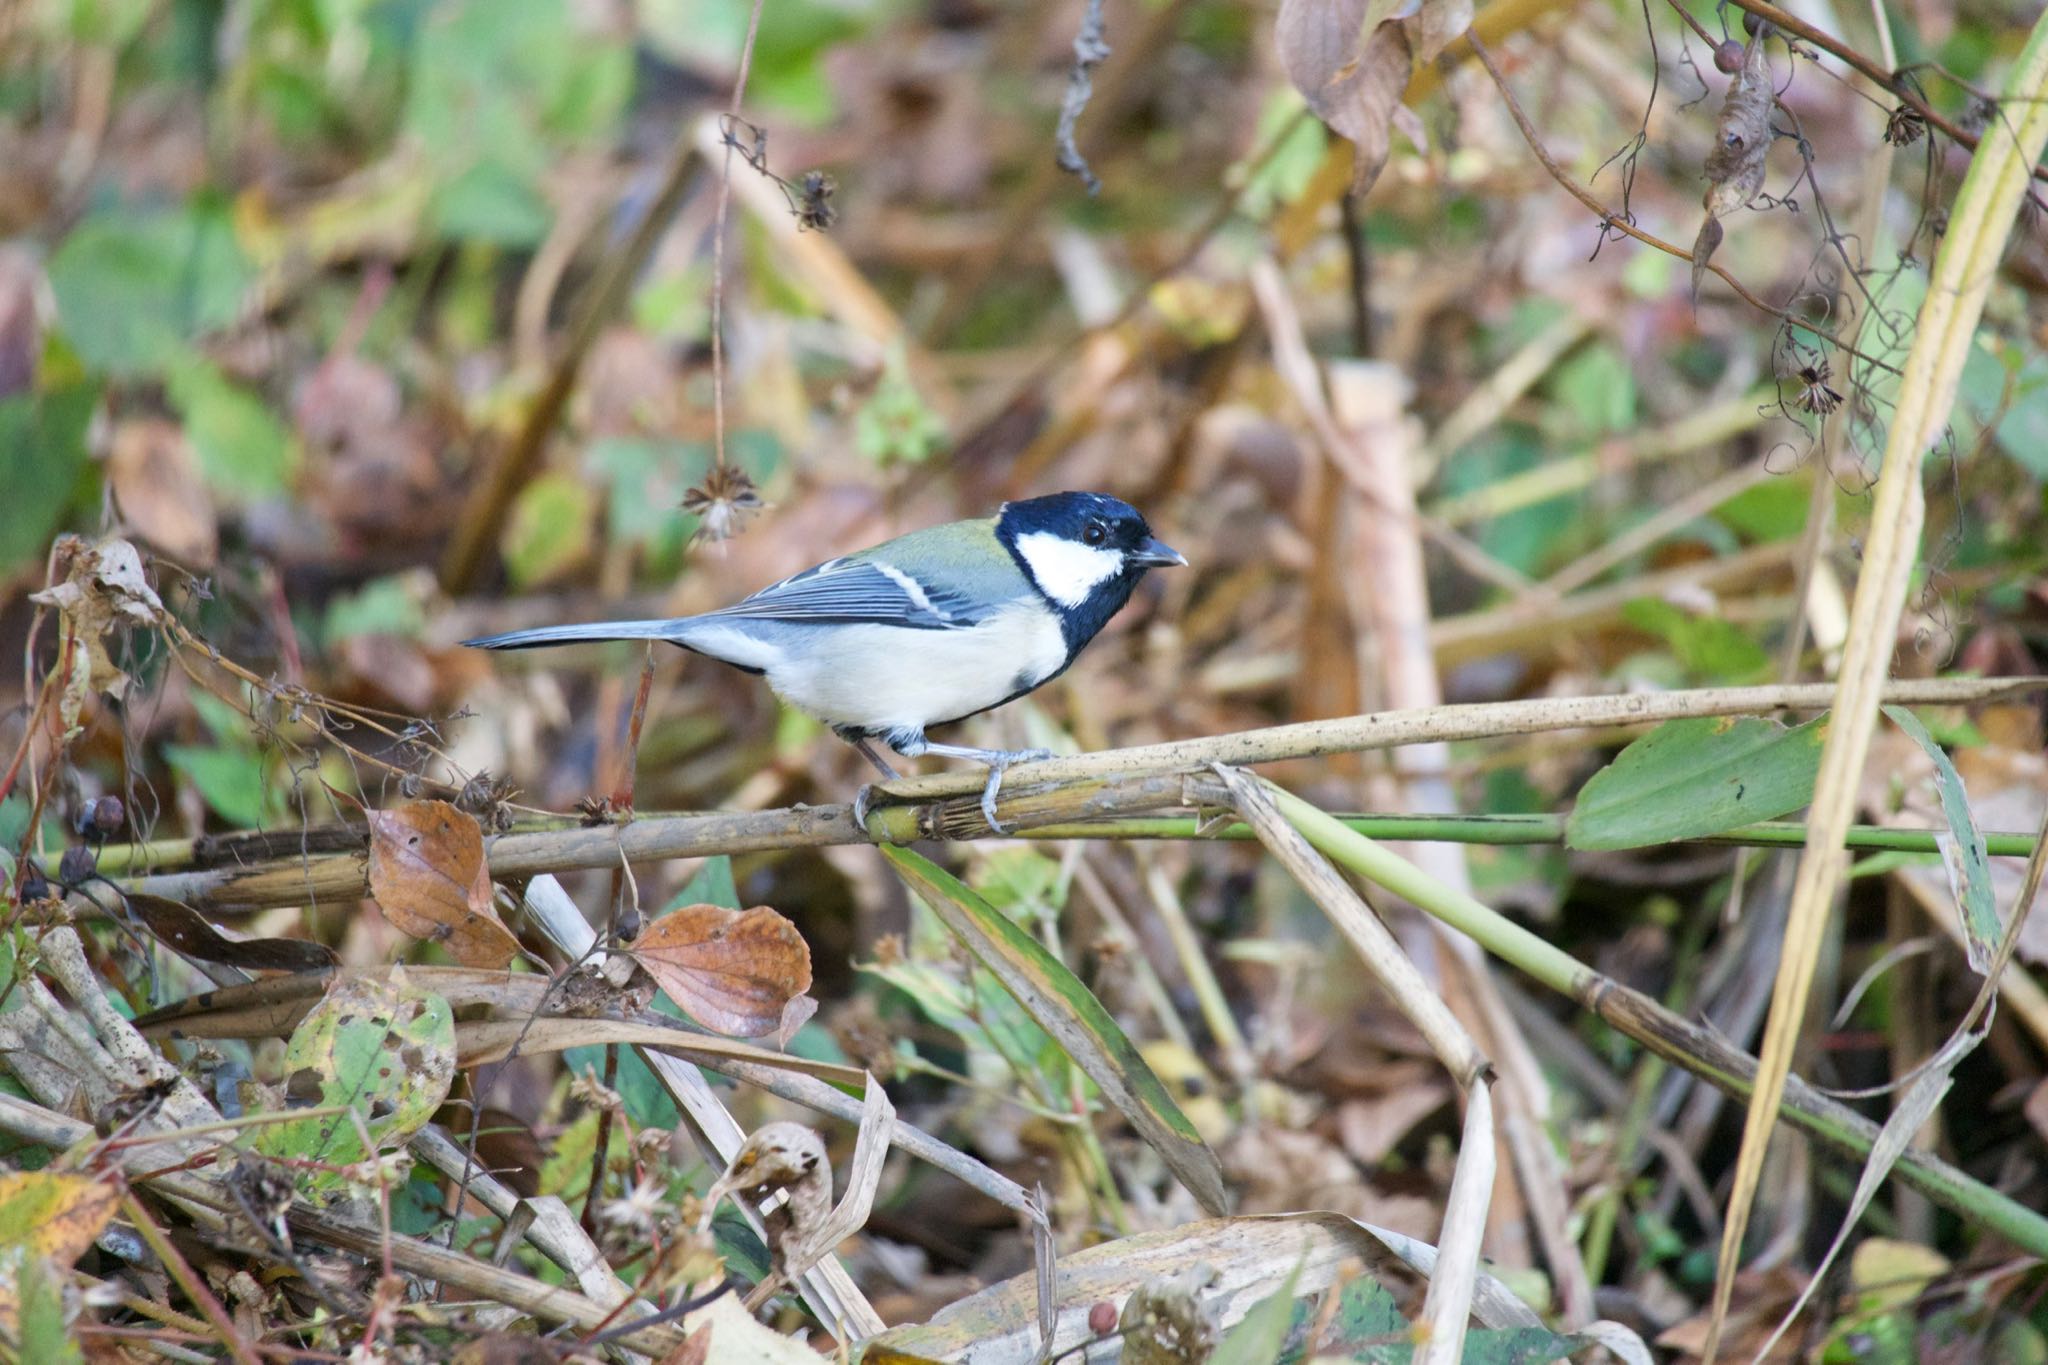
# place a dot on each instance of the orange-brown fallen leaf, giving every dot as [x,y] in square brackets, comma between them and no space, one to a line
[428,875]
[735,971]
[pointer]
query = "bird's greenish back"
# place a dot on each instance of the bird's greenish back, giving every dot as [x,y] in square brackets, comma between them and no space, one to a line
[960,560]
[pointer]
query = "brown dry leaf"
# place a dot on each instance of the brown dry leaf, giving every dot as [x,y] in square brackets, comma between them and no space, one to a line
[735,971]
[156,484]
[1742,138]
[189,932]
[1352,77]
[428,875]
[695,1350]
[103,587]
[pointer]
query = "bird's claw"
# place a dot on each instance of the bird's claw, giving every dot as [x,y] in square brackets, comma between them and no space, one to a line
[860,805]
[998,764]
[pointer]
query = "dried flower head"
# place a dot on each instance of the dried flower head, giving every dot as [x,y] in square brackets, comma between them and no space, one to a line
[588,1091]
[1814,394]
[725,499]
[489,798]
[814,209]
[1905,126]
[596,810]
[638,1211]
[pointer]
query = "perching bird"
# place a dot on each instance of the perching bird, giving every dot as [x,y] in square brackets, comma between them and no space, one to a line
[926,629]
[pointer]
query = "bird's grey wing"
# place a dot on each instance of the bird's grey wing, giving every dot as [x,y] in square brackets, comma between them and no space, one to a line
[856,591]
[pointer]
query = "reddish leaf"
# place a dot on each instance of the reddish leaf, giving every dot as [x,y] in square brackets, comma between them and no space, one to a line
[428,875]
[731,970]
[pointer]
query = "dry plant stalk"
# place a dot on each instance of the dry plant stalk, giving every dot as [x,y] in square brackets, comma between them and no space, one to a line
[1963,271]
[1449,1302]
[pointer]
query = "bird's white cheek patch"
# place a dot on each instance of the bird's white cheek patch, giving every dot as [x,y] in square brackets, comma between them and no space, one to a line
[1065,569]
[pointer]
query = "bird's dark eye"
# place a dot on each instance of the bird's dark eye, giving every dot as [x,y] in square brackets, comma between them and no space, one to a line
[1094,533]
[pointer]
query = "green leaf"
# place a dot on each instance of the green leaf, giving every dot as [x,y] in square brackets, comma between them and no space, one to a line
[1597,385]
[43,459]
[133,288]
[1691,778]
[548,531]
[234,781]
[1963,854]
[490,202]
[711,885]
[378,1046]
[1366,1316]
[1705,645]
[1260,1333]
[1057,1001]
[245,452]
[45,1335]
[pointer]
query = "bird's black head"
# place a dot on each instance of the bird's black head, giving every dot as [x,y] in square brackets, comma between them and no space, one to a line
[1085,552]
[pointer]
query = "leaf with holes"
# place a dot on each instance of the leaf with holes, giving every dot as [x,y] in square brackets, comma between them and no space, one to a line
[735,971]
[380,1048]
[428,875]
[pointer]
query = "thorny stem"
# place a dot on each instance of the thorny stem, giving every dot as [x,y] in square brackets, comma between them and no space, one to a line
[1620,224]
[739,90]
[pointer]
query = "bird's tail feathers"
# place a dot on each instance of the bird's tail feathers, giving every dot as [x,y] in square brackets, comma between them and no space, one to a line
[670,630]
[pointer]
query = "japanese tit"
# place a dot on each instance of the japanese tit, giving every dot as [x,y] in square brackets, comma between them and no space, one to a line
[923,630]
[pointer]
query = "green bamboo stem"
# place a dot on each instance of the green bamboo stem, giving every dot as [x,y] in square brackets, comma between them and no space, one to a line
[1516,830]
[1509,830]
[1656,1028]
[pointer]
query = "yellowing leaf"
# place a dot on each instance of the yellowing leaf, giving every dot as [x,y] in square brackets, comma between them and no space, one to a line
[53,1215]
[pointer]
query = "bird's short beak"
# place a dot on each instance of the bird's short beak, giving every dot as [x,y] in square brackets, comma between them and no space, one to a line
[1157,554]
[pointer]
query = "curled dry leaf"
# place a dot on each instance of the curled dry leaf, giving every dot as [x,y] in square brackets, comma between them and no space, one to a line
[1351,62]
[736,971]
[187,931]
[786,1157]
[428,875]
[1742,138]
[103,587]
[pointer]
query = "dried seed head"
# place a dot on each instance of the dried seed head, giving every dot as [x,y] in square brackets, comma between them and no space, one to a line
[1904,127]
[1814,394]
[725,499]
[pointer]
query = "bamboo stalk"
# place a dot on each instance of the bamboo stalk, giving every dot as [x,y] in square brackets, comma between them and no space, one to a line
[1697,1049]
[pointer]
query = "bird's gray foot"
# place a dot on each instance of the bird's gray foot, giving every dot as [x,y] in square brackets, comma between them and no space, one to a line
[998,760]
[867,789]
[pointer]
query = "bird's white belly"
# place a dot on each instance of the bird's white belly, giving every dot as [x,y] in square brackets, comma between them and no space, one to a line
[880,678]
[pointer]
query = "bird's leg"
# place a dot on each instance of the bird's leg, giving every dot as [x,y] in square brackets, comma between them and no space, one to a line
[997,760]
[860,798]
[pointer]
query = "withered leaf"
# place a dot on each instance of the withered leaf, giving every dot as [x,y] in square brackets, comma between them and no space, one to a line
[428,875]
[157,486]
[186,931]
[731,970]
[1352,78]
